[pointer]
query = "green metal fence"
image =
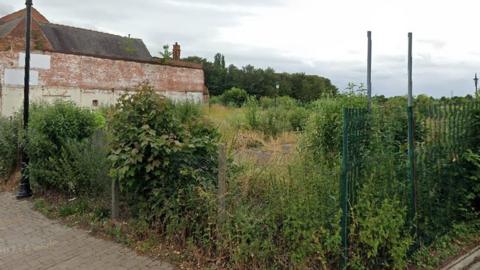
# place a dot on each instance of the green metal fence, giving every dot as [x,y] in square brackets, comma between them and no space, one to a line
[355,141]
[420,151]
[448,132]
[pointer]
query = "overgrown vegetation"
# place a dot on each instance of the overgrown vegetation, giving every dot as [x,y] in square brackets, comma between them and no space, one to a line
[165,167]
[9,130]
[234,97]
[282,206]
[63,154]
[460,239]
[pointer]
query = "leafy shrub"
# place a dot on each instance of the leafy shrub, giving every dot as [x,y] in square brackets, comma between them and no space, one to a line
[323,131]
[298,118]
[379,236]
[166,168]
[185,111]
[8,145]
[215,100]
[51,129]
[82,166]
[283,102]
[273,121]
[252,113]
[234,97]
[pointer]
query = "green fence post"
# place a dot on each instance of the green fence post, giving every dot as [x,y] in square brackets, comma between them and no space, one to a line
[344,190]
[411,142]
[411,166]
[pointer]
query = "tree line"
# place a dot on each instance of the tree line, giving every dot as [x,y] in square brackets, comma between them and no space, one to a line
[262,82]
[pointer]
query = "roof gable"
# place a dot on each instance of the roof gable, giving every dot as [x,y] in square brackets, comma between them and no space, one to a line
[37,16]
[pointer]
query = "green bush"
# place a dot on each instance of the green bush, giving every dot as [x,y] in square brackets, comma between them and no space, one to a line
[379,236]
[9,129]
[167,169]
[283,102]
[53,129]
[252,113]
[215,100]
[298,118]
[282,218]
[273,122]
[234,97]
[323,131]
[82,167]
[185,111]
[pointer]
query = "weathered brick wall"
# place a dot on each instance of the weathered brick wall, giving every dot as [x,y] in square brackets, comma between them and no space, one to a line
[96,73]
[85,79]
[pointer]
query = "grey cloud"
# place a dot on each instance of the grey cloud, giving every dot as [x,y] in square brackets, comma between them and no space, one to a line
[5,8]
[196,23]
[245,3]
[156,22]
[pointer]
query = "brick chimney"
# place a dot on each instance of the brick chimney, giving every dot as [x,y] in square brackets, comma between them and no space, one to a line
[176,51]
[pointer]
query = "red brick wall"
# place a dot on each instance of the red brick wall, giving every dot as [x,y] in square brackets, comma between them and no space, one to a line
[87,72]
[97,73]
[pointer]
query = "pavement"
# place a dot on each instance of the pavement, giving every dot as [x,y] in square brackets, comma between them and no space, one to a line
[469,261]
[29,240]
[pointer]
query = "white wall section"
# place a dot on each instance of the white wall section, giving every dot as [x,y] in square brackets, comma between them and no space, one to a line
[40,61]
[17,77]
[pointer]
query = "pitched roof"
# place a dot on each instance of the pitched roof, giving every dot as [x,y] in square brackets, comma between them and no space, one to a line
[37,16]
[69,39]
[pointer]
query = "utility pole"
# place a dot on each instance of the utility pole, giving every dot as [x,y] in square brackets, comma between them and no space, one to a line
[25,191]
[369,70]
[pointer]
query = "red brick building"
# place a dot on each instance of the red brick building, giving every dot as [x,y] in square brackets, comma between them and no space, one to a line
[87,67]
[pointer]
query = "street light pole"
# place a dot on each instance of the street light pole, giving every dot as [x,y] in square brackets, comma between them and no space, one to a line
[25,191]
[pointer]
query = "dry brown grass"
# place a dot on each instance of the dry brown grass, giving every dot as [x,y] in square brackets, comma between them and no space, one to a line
[11,184]
[235,133]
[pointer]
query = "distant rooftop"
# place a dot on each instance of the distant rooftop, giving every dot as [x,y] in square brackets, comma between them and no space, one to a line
[67,39]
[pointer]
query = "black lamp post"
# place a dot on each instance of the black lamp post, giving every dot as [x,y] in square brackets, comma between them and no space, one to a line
[25,191]
[476,84]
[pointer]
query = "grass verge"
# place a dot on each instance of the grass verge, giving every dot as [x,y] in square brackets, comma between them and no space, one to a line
[461,239]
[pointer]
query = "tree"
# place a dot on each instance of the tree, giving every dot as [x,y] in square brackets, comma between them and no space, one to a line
[262,82]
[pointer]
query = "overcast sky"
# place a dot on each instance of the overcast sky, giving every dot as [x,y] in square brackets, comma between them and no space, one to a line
[326,38]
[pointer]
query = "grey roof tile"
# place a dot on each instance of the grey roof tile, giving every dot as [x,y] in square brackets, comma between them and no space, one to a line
[7,27]
[69,39]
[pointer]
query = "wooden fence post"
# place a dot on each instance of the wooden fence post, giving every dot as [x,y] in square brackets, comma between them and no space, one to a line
[115,199]
[222,182]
